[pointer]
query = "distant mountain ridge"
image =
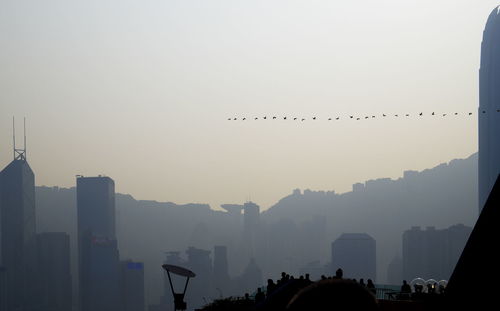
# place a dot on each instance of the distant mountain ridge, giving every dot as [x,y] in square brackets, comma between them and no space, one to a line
[295,231]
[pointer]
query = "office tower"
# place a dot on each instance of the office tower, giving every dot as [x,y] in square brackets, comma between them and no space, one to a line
[97,245]
[489,104]
[132,286]
[355,254]
[251,217]
[55,273]
[221,274]
[395,271]
[432,253]
[18,232]
[200,287]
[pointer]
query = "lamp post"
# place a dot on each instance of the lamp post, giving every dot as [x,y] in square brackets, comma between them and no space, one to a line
[179,303]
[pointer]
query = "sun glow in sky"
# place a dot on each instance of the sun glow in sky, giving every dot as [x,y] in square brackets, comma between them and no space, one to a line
[141,91]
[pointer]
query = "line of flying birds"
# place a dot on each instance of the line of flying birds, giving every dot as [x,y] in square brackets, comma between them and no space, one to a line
[355,117]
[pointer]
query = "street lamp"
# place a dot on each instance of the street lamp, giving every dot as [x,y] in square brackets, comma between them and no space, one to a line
[179,303]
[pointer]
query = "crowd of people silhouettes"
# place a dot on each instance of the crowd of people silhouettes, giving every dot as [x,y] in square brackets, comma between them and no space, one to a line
[301,293]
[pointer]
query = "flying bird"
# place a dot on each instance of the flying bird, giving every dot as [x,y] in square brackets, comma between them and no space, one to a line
[265,118]
[357,118]
[484,111]
[303,119]
[366,117]
[294,118]
[351,117]
[383,115]
[256,118]
[337,118]
[395,115]
[407,115]
[284,118]
[421,114]
[274,118]
[444,114]
[470,113]
[456,113]
[244,119]
[329,119]
[433,113]
[235,119]
[314,118]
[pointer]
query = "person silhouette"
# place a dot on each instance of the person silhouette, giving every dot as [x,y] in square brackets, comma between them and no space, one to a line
[362,282]
[371,286]
[339,274]
[405,291]
[259,296]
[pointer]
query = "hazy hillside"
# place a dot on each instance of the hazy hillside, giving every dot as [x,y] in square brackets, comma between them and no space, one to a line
[294,232]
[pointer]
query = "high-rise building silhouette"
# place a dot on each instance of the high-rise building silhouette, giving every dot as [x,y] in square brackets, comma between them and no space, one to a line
[355,254]
[132,286]
[221,274]
[18,232]
[55,272]
[200,287]
[432,253]
[97,245]
[489,104]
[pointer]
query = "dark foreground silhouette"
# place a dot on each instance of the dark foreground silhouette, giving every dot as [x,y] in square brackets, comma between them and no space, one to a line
[334,294]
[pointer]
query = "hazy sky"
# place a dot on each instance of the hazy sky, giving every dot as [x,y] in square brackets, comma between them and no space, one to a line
[141,91]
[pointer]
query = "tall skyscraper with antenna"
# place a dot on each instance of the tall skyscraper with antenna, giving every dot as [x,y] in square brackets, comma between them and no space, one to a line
[18,229]
[489,102]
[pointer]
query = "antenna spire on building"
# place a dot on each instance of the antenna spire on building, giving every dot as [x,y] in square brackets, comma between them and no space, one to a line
[19,154]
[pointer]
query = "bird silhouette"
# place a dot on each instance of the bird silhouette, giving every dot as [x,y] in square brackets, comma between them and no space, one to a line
[357,118]
[432,113]
[337,118]
[407,115]
[470,113]
[314,118]
[303,119]
[421,114]
[256,118]
[229,119]
[244,119]
[484,111]
[265,118]
[456,113]
[383,115]
[284,118]
[444,114]
[295,118]
[366,117]
[498,110]
[274,118]
[395,115]
[351,117]
[235,119]
[373,117]
[329,119]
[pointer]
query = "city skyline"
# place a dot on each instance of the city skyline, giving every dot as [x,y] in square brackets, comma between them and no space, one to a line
[143,93]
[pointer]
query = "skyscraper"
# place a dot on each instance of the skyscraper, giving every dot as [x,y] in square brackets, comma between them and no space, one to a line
[355,254]
[55,272]
[489,103]
[432,253]
[132,286]
[97,245]
[18,232]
